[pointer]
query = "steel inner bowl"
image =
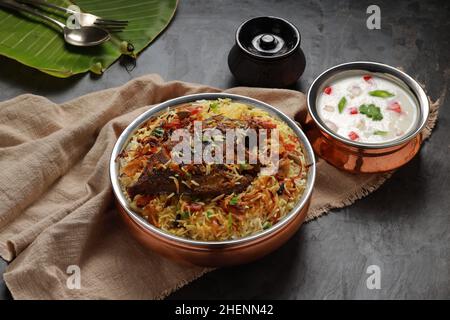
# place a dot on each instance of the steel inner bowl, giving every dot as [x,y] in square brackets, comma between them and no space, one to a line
[136,217]
[382,70]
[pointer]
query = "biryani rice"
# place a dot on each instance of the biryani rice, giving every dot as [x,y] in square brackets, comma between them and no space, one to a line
[225,216]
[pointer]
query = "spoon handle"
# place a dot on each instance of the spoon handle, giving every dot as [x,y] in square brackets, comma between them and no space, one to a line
[47,4]
[19,7]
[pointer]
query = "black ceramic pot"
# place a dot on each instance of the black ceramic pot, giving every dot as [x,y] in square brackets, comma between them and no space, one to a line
[267,53]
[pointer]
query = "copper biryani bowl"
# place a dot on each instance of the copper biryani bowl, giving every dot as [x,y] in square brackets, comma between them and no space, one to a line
[212,253]
[358,157]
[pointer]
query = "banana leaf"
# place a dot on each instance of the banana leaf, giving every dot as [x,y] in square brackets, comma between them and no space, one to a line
[37,44]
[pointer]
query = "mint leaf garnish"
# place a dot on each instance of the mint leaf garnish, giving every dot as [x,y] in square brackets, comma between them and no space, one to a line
[371,111]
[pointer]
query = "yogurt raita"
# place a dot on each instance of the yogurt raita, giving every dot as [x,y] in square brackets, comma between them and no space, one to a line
[367,108]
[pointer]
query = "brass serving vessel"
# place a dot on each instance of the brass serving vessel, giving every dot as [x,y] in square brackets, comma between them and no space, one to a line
[357,157]
[212,253]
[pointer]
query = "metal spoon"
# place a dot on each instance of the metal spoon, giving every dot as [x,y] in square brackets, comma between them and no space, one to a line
[82,36]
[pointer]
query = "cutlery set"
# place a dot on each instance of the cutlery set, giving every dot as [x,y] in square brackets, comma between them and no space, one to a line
[92,30]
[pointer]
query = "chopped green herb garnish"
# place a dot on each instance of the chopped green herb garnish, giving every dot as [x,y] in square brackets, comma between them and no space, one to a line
[214,106]
[234,201]
[244,166]
[206,138]
[230,221]
[218,137]
[371,111]
[380,133]
[342,104]
[381,94]
[209,214]
[158,132]
[185,215]
[267,225]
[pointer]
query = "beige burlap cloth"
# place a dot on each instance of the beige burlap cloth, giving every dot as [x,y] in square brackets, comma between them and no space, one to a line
[56,207]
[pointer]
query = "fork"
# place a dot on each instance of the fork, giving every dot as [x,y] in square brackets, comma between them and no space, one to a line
[84,19]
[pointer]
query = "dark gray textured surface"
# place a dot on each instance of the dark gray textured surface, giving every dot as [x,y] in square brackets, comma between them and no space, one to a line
[404,227]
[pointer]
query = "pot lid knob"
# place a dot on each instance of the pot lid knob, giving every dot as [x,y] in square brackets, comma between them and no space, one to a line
[268,42]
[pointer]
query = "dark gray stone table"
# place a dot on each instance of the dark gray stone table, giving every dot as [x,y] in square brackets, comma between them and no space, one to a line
[404,227]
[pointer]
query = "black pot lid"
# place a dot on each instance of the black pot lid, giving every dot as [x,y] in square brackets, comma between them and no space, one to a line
[268,37]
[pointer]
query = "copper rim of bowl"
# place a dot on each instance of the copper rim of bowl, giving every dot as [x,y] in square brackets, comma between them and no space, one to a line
[383,70]
[131,128]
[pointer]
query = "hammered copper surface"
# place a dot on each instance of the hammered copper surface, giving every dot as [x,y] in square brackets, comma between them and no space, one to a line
[359,160]
[213,256]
